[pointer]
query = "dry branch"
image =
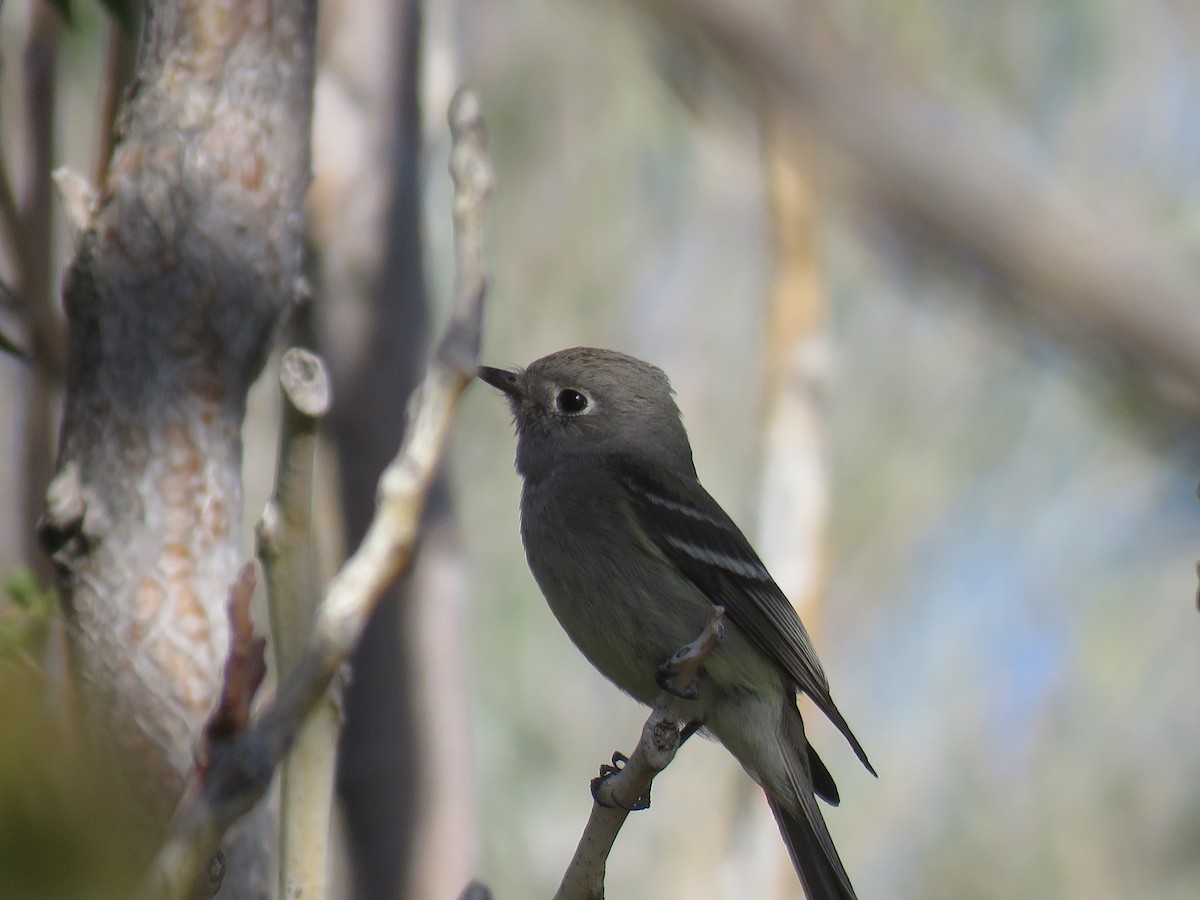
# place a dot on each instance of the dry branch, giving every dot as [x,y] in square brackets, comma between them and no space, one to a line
[1104,276]
[287,550]
[240,775]
[625,785]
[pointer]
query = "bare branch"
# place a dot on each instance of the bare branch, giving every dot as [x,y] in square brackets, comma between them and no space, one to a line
[284,534]
[36,267]
[1100,274]
[287,549]
[471,171]
[625,785]
[238,776]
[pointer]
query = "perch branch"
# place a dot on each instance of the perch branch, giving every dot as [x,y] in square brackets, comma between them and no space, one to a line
[621,788]
[239,776]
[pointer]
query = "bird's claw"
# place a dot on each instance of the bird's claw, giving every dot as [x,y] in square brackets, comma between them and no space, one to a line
[606,772]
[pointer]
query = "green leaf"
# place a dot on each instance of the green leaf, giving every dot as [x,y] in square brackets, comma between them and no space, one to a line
[23,588]
[25,623]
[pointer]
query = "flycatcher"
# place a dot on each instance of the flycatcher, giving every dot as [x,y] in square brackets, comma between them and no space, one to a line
[632,554]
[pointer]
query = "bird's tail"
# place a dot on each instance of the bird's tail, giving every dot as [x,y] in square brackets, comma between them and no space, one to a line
[813,854]
[801,823]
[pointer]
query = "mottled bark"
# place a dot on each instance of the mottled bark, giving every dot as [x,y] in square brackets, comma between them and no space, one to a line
[187,267]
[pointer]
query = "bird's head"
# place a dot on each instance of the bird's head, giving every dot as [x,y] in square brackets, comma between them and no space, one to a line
[586,401]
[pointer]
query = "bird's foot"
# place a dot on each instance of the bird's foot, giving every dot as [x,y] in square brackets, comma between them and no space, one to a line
[669,677]
[606,772]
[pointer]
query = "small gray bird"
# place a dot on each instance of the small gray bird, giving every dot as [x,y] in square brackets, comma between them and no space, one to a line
[632,554]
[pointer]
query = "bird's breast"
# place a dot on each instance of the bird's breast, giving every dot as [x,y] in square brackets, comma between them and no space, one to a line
[623,606]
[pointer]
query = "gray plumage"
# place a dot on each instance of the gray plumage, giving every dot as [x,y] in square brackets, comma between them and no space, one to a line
[631,553]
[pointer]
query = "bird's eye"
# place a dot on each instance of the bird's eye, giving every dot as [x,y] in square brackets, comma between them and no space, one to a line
[571,402]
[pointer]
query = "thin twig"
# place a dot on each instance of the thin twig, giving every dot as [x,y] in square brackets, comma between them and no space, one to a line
[622,787]
[239,776]
[284,533]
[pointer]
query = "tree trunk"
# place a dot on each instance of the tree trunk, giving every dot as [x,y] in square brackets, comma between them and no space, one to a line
[366,225]
[181,277]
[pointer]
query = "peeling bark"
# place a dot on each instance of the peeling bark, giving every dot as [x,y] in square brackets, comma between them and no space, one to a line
[180,280]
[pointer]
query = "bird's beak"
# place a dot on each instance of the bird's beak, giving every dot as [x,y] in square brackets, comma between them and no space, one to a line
[502,380]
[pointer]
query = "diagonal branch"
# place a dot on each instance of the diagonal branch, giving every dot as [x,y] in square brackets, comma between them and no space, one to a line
[622,787]
[240,774]
[1105,276]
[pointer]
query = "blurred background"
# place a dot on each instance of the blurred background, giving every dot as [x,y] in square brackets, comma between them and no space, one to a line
[985,511]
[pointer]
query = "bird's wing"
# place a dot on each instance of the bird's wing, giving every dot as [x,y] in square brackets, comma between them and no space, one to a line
[691,530]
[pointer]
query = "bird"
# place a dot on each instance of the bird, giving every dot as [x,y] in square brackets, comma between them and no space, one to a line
[632,554]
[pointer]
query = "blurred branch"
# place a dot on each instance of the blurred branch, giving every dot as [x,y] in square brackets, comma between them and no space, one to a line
[10,216]
[794,486]
[1107,275]
[118,71]
[28,219]
[238,776]
[287,550]
[405,807]
[791,530]
[625,785]
[34,240]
